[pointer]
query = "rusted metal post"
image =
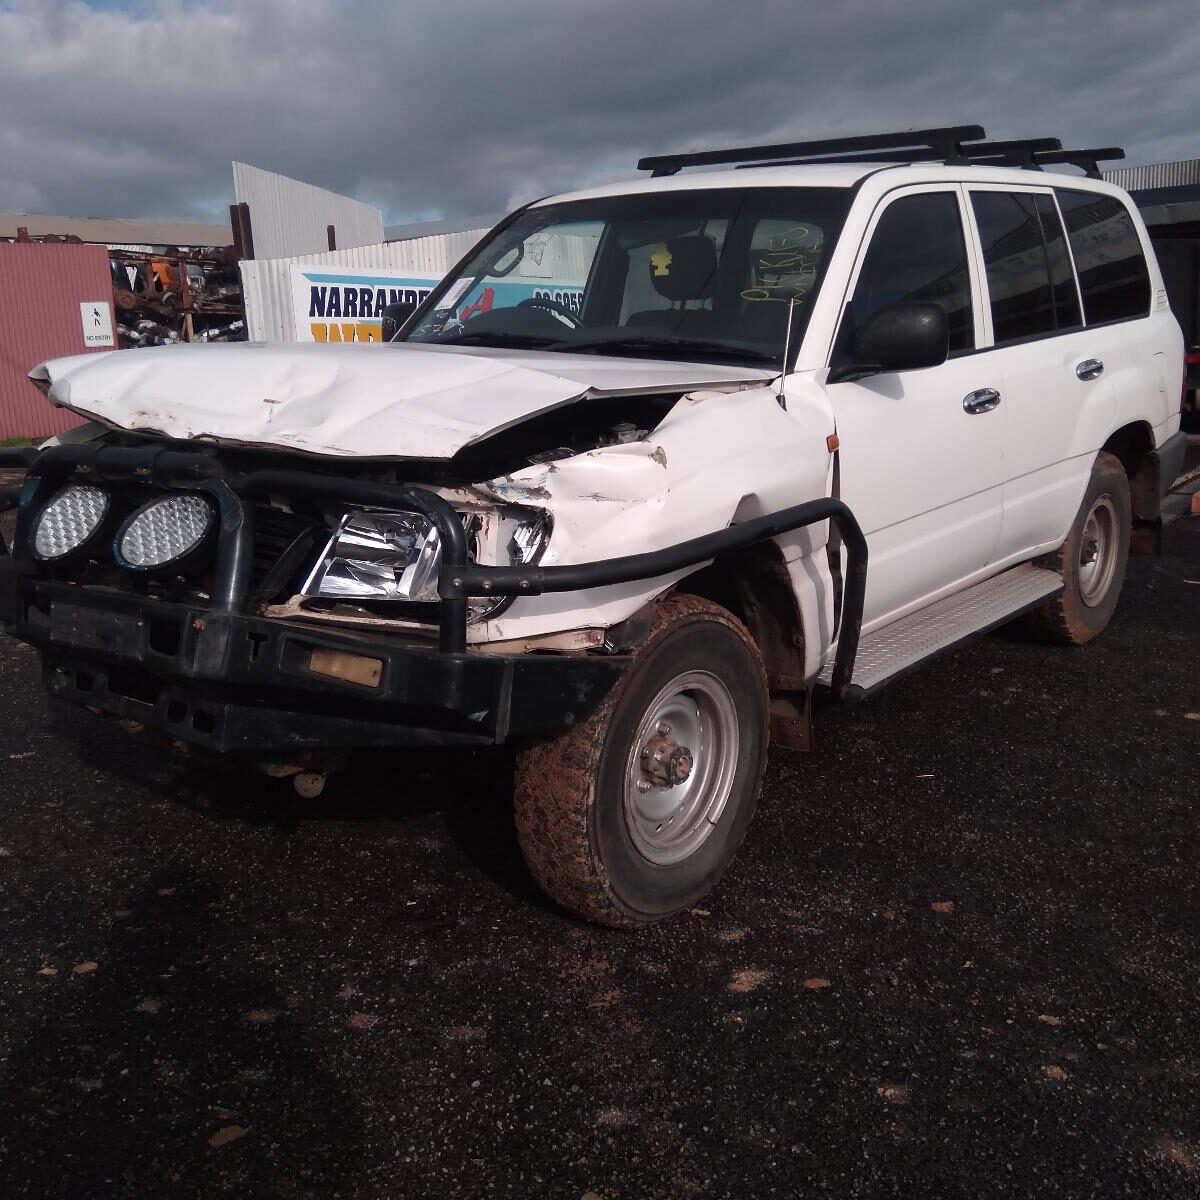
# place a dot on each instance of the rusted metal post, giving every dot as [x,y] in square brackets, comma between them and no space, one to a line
[185,299]
[243,231]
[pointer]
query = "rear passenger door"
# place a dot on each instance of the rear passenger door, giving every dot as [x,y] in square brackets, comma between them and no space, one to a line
[1057,368]
[922,474]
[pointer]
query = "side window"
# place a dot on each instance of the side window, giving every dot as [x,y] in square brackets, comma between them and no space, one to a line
[1113,276]
[1031,288]
[917,253]
[1062,277]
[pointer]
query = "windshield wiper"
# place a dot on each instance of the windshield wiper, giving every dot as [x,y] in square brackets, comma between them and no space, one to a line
[635,343]
[520,341]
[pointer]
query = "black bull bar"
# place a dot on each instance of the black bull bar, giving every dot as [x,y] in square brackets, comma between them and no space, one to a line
[457,580]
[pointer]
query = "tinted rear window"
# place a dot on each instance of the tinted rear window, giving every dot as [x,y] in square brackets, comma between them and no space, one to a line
[1113,276]
[1062,278]
[1018,275]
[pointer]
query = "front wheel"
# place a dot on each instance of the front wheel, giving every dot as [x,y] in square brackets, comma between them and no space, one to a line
[635,813]
[1091,561]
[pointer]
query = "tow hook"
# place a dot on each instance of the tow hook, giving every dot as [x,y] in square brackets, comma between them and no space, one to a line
[309,776]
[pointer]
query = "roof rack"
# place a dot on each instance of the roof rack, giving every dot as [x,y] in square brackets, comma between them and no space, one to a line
[1089,160]
[946,142]
[1009,151]
[954,144]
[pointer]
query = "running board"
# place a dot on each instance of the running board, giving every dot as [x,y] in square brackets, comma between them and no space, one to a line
[887,653]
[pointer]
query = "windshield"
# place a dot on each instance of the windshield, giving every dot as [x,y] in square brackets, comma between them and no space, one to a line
[705,274]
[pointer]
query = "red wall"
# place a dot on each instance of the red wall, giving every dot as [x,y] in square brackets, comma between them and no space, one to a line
[42,285]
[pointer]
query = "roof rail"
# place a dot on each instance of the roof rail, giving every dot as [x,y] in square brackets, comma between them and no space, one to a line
[1089,160]
[1015,153]
[943,143]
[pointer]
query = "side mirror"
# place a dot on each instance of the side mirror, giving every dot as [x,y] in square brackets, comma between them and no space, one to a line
[394,315]
[902,337]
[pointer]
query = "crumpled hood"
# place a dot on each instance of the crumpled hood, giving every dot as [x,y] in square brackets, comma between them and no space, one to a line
[405,400]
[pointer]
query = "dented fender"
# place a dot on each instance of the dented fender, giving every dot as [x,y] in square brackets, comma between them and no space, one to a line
[715,459]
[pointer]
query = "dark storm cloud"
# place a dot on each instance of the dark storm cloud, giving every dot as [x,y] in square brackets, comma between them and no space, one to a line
[464,106]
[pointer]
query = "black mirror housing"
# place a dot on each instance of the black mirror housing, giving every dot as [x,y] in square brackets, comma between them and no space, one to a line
[394,316]
[901,337]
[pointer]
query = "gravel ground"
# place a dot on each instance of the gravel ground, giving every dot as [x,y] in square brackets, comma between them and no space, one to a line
[957,957]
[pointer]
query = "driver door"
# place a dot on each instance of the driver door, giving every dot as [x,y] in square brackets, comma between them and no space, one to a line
[920,470]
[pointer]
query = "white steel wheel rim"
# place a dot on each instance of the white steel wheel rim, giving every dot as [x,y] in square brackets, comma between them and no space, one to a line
[1098,552]
[696,716]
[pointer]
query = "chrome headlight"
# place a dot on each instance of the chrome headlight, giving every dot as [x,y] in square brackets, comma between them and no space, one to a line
[165,532]
[69,522]
[379,556]
[376,555]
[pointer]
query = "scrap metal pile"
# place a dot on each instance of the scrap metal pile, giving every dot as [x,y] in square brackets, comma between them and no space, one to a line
[177,296]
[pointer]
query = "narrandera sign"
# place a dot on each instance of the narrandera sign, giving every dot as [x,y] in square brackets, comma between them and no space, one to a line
[334,306]
[347,306]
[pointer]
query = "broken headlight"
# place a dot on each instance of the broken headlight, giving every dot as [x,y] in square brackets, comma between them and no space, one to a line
[376,555]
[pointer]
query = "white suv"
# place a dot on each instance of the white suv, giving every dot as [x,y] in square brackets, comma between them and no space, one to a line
[657,462]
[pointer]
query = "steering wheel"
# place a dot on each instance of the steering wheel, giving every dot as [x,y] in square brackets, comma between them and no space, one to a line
[554,306]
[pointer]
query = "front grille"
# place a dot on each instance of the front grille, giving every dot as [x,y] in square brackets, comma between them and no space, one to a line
[284,547]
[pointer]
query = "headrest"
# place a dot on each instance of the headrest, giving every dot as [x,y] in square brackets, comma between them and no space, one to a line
[684,268]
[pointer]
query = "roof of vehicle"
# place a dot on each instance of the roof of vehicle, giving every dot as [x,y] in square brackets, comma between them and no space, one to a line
[839,175]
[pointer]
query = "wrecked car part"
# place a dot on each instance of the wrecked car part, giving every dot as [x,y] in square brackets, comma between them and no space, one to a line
[333,401]
[382,556]
[235,684]
[562,433]
[378,555]
[457,581]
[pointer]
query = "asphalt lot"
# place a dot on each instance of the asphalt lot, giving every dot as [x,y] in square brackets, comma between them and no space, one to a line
[957,957]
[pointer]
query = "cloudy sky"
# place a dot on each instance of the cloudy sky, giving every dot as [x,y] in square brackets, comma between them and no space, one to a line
[454,107]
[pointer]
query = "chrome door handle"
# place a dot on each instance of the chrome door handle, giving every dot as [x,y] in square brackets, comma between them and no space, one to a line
[981,401]
[1090,368]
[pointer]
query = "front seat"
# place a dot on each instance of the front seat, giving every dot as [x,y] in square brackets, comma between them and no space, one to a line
[682,270]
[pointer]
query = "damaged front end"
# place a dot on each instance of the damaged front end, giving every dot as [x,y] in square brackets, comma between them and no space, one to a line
[249,600]
[150,578]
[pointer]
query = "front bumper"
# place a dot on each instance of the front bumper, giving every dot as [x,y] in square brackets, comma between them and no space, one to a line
[235,684]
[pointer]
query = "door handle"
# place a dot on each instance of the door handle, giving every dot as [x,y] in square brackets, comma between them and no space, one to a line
[1090,368]
[984,400]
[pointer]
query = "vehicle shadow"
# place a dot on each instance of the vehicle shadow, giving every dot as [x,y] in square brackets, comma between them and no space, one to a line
[468,791]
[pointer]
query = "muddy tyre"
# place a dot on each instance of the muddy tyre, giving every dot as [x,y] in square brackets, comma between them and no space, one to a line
[1091,561]
[636,813]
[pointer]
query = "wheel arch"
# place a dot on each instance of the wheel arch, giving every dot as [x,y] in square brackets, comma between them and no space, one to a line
[755,586]
[1133,445]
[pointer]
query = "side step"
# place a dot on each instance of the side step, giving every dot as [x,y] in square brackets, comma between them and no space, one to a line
[887,653]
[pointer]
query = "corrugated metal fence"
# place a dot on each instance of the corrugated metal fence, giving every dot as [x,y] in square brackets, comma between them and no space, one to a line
[42,286]
[289,217]
[1158,175]
[267,282]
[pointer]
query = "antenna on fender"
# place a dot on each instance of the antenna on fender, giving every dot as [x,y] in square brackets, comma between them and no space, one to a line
[787,354]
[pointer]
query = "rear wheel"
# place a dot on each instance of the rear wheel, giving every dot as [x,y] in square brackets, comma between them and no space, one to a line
[1091,561]
[634,814]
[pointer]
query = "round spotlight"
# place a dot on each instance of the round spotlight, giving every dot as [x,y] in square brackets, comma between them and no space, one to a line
[69,522]
[164,532]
